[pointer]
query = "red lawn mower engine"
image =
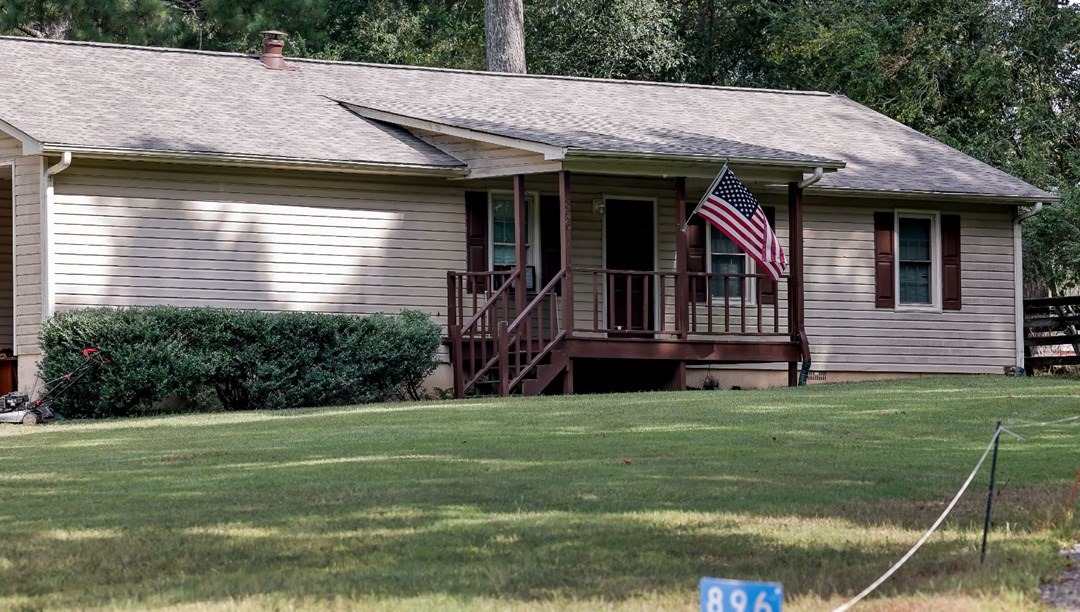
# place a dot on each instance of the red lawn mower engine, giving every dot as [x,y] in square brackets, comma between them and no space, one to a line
[17,406]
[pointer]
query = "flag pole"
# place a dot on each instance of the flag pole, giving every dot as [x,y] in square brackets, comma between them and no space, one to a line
[702,200]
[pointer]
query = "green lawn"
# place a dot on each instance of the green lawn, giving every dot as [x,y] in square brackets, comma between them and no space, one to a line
[530,503]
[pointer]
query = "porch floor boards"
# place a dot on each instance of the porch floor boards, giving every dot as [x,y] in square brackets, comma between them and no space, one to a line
[691,351]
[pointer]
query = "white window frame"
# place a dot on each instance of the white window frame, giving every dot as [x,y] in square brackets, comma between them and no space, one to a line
[748,268]
[935,260]
[532,251]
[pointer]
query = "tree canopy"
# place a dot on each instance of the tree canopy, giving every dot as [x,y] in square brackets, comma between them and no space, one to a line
[997,79]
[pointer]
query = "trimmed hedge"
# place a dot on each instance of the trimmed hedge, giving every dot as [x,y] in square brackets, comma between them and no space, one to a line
[210,358]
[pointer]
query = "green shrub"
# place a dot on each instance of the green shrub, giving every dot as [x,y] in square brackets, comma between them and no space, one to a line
[208,358]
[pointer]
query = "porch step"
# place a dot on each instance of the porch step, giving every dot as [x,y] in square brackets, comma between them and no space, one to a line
[546,374]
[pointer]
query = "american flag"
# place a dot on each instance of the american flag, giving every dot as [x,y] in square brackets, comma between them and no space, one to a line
[732,209]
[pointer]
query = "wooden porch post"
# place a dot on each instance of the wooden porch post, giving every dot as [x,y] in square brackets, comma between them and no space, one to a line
[796,320]
[682,278]
[568,280]
[520,215]
[564,254]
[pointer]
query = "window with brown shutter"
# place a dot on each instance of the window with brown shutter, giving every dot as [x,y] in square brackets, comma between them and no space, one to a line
[914,267]
[884,264]
[950,262]
[696,234]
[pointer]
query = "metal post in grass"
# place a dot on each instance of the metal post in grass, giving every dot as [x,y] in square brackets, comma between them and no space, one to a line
[990,496]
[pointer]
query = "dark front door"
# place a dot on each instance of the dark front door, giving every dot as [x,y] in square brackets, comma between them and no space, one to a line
[630,236]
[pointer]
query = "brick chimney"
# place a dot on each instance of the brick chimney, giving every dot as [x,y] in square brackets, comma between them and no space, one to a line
[272,58]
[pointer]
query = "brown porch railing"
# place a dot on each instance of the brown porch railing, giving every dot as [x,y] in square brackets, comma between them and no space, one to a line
[487,332]
[492,343]
[468,294]
[632,303]
[532,335]
[477,302]
[719,305]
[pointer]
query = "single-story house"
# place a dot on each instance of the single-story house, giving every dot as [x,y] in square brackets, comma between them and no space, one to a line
[539,219]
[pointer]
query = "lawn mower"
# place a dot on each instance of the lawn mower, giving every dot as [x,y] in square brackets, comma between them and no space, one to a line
[17,407]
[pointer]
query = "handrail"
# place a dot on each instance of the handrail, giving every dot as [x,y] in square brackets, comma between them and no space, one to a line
[526,318]
[484,368]
[536,360]
[536,300]
[459,332]
[481,311]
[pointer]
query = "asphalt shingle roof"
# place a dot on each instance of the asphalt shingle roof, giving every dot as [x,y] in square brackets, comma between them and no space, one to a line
[141,98]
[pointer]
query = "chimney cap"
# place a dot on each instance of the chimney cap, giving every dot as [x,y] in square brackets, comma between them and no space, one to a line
[274,33]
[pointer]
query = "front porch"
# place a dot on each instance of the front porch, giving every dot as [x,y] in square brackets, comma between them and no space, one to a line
[507,334]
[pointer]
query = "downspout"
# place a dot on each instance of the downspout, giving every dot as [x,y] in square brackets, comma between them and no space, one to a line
[804,342]
[1018,283]
[48,292]
[818,173]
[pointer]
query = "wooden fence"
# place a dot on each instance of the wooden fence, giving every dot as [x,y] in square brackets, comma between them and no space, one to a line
[1051,335]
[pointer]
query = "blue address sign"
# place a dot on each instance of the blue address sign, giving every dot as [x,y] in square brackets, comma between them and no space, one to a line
[719,595]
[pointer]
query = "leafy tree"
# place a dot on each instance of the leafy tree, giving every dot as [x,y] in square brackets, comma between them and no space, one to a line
[126,21]
[447,33]
[625,39]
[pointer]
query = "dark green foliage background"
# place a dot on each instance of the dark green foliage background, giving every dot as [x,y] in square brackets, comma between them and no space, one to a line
[208,358]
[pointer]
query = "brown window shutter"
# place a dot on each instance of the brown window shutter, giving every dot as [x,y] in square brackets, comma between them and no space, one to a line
[884,260]
[696,235]
[550,241]
[950,262]
[767,290]
[476,237]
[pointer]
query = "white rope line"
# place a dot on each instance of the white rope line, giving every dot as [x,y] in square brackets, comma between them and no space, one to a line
[1013,433]
[926,536]
[1065,420]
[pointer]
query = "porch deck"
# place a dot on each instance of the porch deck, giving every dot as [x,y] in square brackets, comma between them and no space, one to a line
[627,315]
[510,336]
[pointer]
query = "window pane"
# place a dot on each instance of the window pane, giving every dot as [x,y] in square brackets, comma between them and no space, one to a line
[723,244]
[727,264]
[914,239]
[915,260]
[502,255]
[502,219]
[914,283]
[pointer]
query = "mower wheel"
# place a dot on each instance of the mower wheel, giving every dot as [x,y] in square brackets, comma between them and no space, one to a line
[30,418]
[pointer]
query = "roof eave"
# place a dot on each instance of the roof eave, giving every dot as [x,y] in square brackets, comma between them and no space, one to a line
[255,161]
[940,196]
[828,165]
[761,171]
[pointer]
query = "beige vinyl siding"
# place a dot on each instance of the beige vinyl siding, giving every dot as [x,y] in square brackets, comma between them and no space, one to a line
[488,160]
[29,177]
[139,235]
[142,235]
[848,333]
[10,148]
[7,272]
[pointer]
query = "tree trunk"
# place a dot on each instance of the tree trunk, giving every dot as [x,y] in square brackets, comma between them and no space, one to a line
[504,31]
